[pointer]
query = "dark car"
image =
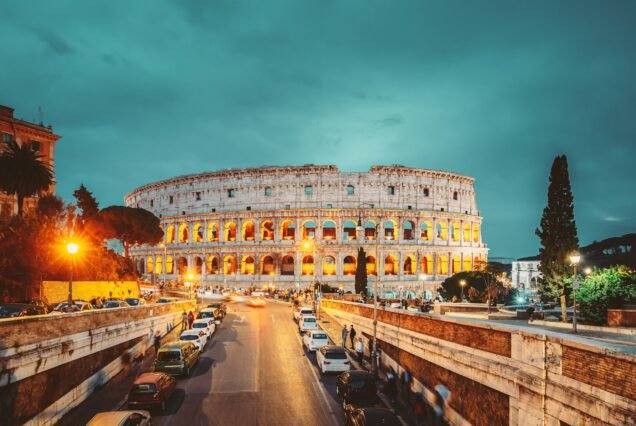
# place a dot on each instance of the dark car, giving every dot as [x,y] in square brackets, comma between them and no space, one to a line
[177,358]
[15,310]
[370,416]
[115,304]
[36,302]
[135,301]
[357,387]
[151,390]
[222,307]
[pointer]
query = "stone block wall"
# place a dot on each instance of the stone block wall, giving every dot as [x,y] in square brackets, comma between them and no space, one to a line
[57,291]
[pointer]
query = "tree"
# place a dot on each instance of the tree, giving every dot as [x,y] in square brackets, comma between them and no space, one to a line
[558,235]
[50,206]
[605,289]
[492,279]
[23,172]
[86,202]
[131,226]
[361,272]
[88,223]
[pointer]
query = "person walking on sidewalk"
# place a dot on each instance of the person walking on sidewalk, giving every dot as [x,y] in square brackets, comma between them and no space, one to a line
[190,320]
[344,336]
[157,342]
[352,336]
[359,349]
[184,321]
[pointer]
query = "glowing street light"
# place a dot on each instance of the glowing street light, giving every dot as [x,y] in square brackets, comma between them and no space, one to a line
[587,270]
[462,283]
[71,249]
[575,258]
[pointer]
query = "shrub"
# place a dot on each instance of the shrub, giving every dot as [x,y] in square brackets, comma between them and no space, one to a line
[605,289]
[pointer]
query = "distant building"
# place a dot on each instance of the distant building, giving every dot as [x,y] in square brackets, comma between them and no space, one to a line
[39,137]
[525,276]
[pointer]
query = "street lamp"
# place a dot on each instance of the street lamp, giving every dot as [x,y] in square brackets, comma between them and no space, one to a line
[575,258]
[71,249]
[311,245]
[190,278]
[165,262]
[462,283]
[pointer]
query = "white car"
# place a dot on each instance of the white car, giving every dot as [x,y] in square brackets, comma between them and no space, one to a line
[315,339]
[77,306]
[332,358]
[121,418]
[198,337]
[206,324]
[302,311]
[307,323]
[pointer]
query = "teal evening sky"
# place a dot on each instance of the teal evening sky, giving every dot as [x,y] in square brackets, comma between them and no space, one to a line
[145,90]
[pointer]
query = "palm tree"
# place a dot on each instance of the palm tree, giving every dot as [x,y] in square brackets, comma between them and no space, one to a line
[23,172]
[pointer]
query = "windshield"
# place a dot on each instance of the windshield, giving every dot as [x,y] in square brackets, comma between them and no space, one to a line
[309,320]
[336,355]
[144,388]
[111,305]
[206,315]
[306,312]
[169,356]
[8,310]
[320,336]
[133,302]
[189,337]
[199,325]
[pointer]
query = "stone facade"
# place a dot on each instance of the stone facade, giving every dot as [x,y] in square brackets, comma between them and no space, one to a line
[268,226]
[526,276]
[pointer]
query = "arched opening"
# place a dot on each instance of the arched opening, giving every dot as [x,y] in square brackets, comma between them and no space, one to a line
[457,266]
[229,265]
[141,266]
[248,231]
[455,229]
[288,230]
[390,265]
[369,230]
[182,265]
[371,266]
[149,265]
[267,230]
[442,265]
[198,233]
[427,231]
[329,230]
[198,265]
[329,265]
[230,231]
[409,226]
[247,265]
[409,265]
[427,264]
[308,265]
[267,265]
[158,265]
[390,230]
[442,231]
[349,265]
[169,265]
[349,230]
[170,235]
[287,265]
[213,265]
[213,232]
[476,264]
[534,283]
[475,233]
[183,233]
[309,230]
[468,264]
[466,232]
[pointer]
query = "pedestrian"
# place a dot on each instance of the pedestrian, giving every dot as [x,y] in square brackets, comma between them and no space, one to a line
[184,321]
[406,383]
[420,410]
[344,336]
[442,395]
[126,362]
[190,319]
[391,386]
[157,341]
[359,349]
[352,336]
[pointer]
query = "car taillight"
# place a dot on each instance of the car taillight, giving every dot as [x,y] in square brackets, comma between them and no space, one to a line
[327,363]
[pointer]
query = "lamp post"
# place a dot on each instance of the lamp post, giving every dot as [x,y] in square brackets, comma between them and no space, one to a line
[462,283]
[360,228]
[71,249]
[311,245]
[574,260]
[165,262]
[190,278]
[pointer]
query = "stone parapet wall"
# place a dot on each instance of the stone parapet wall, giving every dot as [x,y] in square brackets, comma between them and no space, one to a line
[621,317]
[57,291]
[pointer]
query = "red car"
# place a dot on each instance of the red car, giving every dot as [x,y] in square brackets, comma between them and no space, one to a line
[151,390]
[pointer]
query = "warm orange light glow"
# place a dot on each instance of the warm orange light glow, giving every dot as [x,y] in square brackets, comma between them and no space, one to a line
[72,248]
[190,276]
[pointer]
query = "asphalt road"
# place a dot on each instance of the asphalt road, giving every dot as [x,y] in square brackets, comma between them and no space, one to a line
[254,372]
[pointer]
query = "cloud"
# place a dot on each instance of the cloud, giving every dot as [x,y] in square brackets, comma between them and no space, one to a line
[52,41]
[392,120]
[612,219]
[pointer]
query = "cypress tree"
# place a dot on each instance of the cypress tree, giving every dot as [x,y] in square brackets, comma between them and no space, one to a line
[558,235]
[361,272]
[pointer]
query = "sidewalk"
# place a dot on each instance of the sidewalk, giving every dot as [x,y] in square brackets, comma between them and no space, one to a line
[334,330]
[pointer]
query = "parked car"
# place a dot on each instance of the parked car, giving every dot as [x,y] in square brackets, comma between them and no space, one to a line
[15,310]
[302,311]
[370,416]
[209,313]
[115,304]
[315,339]
[332,358]
[222,307]
[307,323]
[121,418]
[205,324]
[357,388]
[198,337]
[151,390]
[76,306]
[167,300]
[135,301]
[177,358]
[36,302]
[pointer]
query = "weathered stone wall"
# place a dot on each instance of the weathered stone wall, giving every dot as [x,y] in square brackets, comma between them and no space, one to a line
[621,317]
[57,291]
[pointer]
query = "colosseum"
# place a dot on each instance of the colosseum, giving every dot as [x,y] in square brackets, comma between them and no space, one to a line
[288,227]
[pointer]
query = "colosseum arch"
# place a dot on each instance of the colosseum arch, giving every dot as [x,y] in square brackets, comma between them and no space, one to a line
[329,230]
[212,265]
[476,264]
[329,265]
[457,266]
[213,232]
[267,230]
[370,230]
[390,230]
[466,232]
[455,231]
[159,265]
[371,265]
[475,233]
[230,231]
[182,265]
[307,267]
[426,230]
[197,233]
[468,264]
[198,265]
[409,266]
[408,230]
[141,266]
[442,231]
[247,265]
[427,264]
[287,265]
[169,265]
[390,265]
[149,265]
[442,265]
[170,235]
[249,231]
[308,230]
[229,265]
[287,230]
[183,233]
[349,264]
[267,265]
[349,231]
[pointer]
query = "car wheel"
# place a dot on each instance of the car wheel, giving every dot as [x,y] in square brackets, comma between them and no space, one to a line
[163,405]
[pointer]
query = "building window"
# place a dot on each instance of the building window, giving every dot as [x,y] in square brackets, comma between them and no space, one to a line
[171,199]
[309,189]
[152,203]
[35,146]
[455,195]
[350,190]
[230,193]
[426,192]
[330,206]
[268,191]
[198,196]
[7,137]
[390,190]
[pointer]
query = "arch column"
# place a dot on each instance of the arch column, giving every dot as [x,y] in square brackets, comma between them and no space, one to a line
[461,232]
[221,224]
